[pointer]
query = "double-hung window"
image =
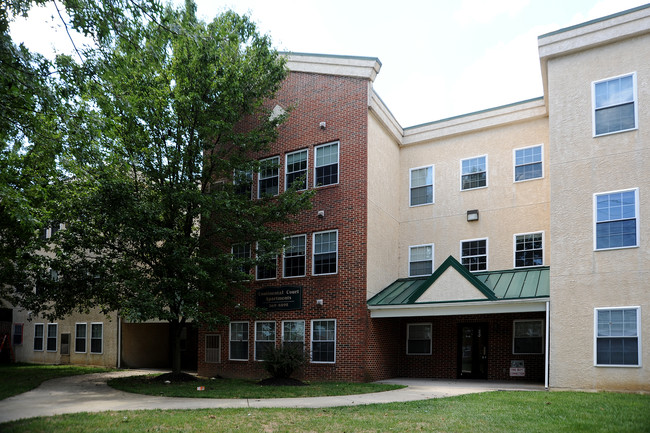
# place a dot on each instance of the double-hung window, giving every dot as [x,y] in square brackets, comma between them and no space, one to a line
[325,252]
[528,163]
[18,333]
[616,219]
[239,341]
[241,254]
[96,337]
[268,181]
[52,335]
[293,263]
[529,250]
[266,266]
[527,337]
[473,173]
[418,339]
[618,332]
[421,185]
[323,341]
[420,260]
[264,339]
[614,104]
[38,336]
[296,170]
[80,331]
[293,334]
[213,348]
[473,254]
[327,164]
[243,181]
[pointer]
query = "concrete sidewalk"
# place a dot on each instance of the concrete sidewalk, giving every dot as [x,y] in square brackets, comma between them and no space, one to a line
[90,393]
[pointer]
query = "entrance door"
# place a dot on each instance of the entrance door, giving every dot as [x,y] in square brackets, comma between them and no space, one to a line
[472,351]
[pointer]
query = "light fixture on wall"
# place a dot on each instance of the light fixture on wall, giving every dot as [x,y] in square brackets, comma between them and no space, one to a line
[319,302]
[472,215]
[323,125]
[321,214]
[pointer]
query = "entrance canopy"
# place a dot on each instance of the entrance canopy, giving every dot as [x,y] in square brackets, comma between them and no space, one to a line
[453,290]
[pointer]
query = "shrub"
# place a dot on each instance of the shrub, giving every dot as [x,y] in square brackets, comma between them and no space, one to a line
[281,362]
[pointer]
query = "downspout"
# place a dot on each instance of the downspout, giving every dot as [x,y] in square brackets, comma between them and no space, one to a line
[119,341]
[546,354]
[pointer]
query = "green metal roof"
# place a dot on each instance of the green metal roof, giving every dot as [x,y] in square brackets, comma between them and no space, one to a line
[494,285]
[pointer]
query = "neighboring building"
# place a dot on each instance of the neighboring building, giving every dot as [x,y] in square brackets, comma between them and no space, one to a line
[505,244]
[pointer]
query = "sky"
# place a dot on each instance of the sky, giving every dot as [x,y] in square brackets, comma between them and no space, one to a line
[440,58]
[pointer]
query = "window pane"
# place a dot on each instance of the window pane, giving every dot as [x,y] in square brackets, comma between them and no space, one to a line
[421,195]
[297,169]
[419,339]
[294,257]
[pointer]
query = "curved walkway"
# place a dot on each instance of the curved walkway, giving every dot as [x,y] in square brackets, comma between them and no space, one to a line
[90,393]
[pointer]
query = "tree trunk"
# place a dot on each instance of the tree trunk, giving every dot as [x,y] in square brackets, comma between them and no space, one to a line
[176,332]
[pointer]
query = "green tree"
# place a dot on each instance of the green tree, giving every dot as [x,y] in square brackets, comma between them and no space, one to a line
[163,121]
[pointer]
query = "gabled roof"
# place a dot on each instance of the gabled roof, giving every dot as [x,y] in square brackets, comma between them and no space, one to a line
[453,283]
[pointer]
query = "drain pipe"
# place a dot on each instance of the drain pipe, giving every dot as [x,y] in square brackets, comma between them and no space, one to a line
[119,341]
[546,354]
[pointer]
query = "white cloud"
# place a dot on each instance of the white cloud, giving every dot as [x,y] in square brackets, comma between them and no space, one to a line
[484,11]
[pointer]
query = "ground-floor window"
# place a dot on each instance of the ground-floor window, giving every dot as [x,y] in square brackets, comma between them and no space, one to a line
[52,332]
[293,334]
[38,336]
[323,340]
[80,337]
[528,337]
[18,334]
[617,336]
[213,348]
[96,337]
[418,339]
[239,341]
[264,339]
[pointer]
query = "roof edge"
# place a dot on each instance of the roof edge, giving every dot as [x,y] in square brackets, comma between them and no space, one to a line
[330,64]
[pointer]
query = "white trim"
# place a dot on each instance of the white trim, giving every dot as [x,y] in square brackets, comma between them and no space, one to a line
[638,336]
[90,338]
[486,172]
[408,333]
[432,259]
[636,215]
[338,163]
[259,175]
[514,163]
[514,249]
[284,268]
[457,308]
[85,337]
[255,340]
[635,101]
[286,169]
[248,336]
[542,328]
[313,252]
[433,184]
[311,345]
[487,252]
[257,278]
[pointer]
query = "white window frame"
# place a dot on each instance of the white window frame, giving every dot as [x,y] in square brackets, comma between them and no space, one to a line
[638,337]
[257,267]
[515,165]
[411,247]
[408,337]
[42,337]
[284,340]
[284,257]
[338,164]
[635,102]
[460,254]
[55,326]
[91,338]
[336,253]
[514,336]
[230,341]
[325,341]
[636,217]
[514,249]
[287,172]
[248,174]
[462,174]
[85,337]
[212,354]
[256,340]
[249,256]
[276,160]
[432,185]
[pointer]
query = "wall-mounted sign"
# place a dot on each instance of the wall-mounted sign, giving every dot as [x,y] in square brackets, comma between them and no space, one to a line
[517,369]
[279,298]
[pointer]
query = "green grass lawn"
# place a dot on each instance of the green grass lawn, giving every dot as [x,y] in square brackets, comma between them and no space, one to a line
[235,388]
[19,378]
[502,411]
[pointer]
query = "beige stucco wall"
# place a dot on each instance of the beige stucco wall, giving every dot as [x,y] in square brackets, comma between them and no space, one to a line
[505,208]
[383,207]
[583,279]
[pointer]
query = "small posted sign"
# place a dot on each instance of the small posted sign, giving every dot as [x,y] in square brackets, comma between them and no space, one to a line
[517,369]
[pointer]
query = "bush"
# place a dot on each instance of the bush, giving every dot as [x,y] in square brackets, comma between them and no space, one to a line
[281,362]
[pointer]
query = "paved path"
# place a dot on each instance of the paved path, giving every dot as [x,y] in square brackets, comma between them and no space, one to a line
[90,393]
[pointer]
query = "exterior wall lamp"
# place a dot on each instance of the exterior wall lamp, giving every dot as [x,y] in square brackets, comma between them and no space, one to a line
[472,215]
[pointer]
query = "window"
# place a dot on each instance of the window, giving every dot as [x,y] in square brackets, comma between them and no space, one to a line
[616,219]
[327,164]
[52,332]
[473,173]
[420,260]
[239,341]
[266,269]
[418,339]
[325,252]
[528,337]
[293,334]
[421,182]
[96,337]
[38,336]
[212,348]
[528,163]
[241,253]
[18,334]
[473,254]
[243,181]
[264,339]
[294,257]
[80,337]
[617,336]
[529,250]
[296,170]
[614,102]
[323,340]
[268,181]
